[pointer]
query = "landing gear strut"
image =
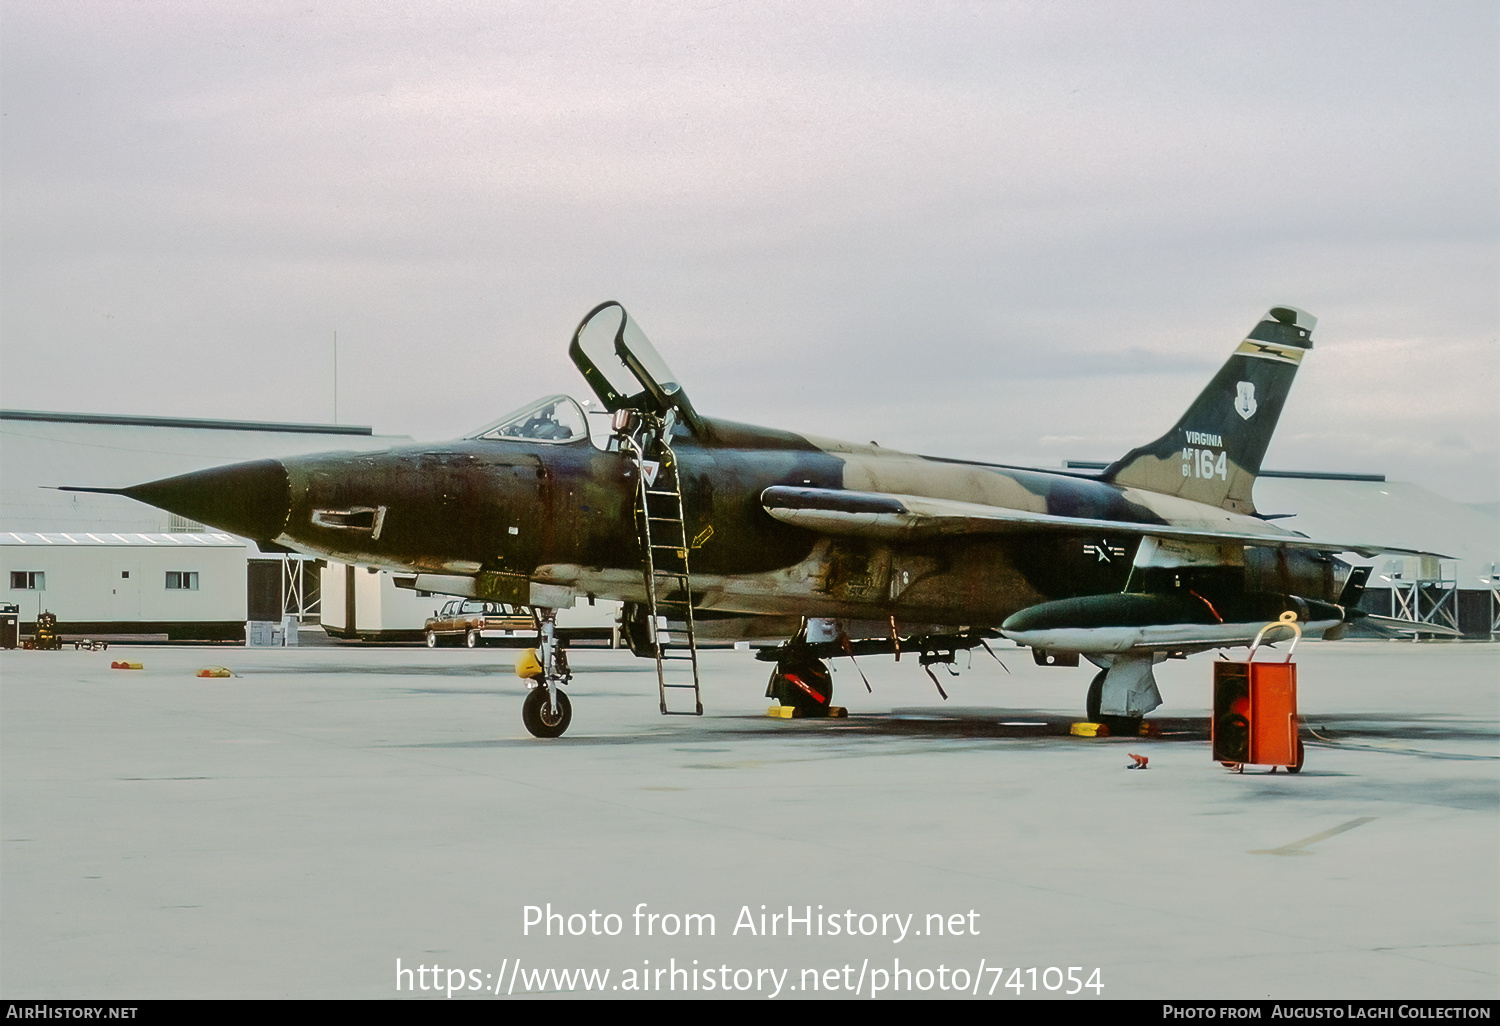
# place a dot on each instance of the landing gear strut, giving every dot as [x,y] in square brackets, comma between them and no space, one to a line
[546,711]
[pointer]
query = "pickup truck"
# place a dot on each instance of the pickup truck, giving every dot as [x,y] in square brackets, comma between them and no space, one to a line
[472,620]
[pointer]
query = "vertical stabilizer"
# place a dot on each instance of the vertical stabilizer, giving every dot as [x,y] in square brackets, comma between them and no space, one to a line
[1213,453]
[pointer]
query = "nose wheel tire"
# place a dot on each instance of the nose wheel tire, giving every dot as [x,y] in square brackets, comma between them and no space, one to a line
[540,720]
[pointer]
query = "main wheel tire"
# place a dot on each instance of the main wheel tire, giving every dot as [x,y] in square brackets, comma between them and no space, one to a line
[1120,726]
[472,639]
[804,684]
[431,640]
[539,719]
[1095,696]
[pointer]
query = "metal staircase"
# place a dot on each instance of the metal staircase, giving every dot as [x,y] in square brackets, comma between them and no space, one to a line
[664,562]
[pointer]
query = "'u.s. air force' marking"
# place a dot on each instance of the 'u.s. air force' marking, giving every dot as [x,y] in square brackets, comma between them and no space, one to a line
[1103,551]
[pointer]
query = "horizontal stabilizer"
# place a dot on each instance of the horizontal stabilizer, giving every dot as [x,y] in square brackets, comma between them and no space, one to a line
[1396,625]
[914,517]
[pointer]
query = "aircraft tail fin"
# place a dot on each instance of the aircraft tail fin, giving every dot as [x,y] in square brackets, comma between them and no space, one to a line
[1213,453]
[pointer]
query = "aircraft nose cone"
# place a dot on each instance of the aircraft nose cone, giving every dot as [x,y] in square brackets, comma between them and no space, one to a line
[248,499]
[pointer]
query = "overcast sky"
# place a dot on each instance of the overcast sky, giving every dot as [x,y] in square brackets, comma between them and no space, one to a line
[1022,231]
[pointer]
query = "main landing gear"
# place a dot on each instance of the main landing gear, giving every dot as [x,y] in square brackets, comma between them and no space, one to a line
[1095,696]
[546,711]
[802,682]
[1124,726]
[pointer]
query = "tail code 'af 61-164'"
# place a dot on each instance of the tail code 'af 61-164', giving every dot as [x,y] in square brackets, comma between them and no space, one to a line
[709,528]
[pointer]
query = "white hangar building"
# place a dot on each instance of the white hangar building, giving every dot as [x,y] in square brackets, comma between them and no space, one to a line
[106,564]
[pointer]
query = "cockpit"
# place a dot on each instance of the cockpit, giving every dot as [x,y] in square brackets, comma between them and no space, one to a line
[556,419]
[625,372]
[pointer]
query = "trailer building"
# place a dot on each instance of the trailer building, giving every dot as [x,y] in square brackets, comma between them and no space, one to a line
[180,586]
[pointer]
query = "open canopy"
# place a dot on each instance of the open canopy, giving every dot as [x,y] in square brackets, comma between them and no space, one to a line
[622,367]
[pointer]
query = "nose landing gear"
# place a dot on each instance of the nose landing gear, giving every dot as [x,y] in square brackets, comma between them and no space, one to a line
[546,711]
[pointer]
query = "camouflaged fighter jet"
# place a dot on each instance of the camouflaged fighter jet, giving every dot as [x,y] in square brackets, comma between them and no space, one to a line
[706,528]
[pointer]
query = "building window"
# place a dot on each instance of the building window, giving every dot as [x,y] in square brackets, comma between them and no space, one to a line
[182,580]
[28,580]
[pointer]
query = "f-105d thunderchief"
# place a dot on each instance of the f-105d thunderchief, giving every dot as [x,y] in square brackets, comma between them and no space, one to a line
[706,528]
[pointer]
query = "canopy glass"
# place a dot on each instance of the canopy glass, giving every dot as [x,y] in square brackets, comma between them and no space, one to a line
[557,418]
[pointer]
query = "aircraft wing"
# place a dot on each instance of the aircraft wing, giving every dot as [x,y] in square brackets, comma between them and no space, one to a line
[914,517]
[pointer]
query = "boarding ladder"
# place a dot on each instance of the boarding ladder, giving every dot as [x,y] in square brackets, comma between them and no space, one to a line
[664,563]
